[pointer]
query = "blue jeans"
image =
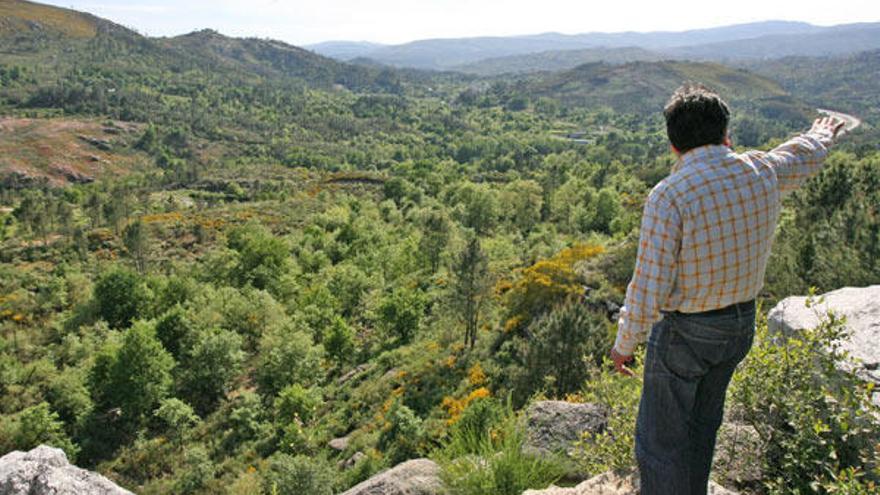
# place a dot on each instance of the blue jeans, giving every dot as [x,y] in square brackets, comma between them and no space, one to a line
[688,366]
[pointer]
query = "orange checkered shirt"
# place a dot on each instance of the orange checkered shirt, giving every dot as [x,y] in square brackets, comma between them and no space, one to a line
[707,229]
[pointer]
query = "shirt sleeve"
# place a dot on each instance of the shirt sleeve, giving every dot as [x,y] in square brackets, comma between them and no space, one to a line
[797,160]
[654,275]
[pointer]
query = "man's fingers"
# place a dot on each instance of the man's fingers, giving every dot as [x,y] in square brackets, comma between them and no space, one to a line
[622,369]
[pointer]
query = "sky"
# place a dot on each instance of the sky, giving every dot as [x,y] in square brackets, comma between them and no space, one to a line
[303,22]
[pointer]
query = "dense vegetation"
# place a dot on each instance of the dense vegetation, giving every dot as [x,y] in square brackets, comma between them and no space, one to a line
[317,250]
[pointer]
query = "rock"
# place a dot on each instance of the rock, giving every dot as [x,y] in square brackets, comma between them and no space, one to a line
[738,454]
[45,470]
[415,477]
[612,484]
[553,426]
[351,461]
[860,306]
[352,373]
[339,444]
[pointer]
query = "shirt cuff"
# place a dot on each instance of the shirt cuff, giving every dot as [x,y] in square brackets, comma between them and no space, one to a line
[625,345]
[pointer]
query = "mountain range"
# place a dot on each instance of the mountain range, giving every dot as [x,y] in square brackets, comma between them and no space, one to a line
[552,51]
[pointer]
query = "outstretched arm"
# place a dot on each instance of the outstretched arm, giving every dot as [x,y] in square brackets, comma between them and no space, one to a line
[798,159]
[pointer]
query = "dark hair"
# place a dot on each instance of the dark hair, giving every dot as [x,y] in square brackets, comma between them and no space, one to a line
[695,116]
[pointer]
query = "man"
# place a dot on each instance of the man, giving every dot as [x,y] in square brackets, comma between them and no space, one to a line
[705,238]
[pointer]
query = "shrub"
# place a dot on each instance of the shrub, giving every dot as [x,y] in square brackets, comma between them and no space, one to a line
[493,461]
[296,401]
[403,434]
[816,420]
[612,448]
[289,475]
[197,469]
[40,425]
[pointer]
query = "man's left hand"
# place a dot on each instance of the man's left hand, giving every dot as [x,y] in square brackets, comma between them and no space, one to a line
[620,362]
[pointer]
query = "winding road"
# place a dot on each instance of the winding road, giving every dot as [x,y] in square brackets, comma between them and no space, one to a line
[851,121]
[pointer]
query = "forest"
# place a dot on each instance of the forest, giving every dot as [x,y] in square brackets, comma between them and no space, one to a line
[217,255]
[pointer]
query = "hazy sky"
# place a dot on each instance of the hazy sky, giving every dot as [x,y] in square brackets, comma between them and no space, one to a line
[396,21]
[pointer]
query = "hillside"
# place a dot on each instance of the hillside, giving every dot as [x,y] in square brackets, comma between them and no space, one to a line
[21,17]
[644,87]
[67,151]
[236,267]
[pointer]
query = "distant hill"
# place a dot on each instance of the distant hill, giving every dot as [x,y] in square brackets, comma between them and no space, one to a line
[344,50]
[448,53]
[644,87]
[557,60]
[837,40]
[847,83]
[265,57]
[554,51]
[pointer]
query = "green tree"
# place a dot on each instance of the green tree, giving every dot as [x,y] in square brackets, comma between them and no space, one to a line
[287,356]
[177,416]
[262,259]
[120,296]
[136,241]
[400,314]
[131,377]
[436,230]
[209,368]
[562,347]
[470,287]
[339,341]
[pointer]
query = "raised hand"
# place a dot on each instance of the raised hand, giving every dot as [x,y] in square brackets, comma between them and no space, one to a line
[828,125]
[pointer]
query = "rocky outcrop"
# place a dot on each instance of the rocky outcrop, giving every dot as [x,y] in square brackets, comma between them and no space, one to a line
[612,484]
[860,306]
[46,471]
[415,477]
[553,426]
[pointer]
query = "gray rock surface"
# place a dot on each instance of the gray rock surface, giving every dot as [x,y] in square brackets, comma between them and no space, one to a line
[612,484]
[415,477]
[860,306]
[738,454]
[553,426]
[351,461]
[339,444]
[46,471]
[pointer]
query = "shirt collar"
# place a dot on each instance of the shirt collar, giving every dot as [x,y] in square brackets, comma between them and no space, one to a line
[704,154]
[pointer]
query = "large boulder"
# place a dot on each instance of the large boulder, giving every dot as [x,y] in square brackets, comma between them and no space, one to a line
[415,477]
[554,426]
[46,471]
[860,306]
[612,484]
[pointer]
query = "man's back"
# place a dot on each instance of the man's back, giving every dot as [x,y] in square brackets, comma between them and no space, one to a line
[710,227]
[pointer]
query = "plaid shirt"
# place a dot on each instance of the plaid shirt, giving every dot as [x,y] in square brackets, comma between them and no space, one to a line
[707,230]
